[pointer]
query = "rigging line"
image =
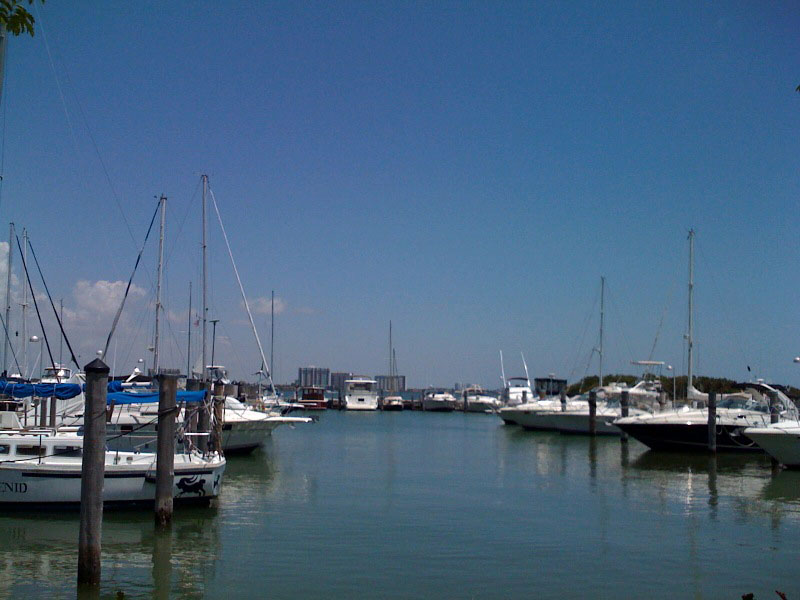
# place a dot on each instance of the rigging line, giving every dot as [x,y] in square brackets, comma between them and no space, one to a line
[3,143]
[35,303]
[183,222]
[52,304]
[40,25]
[587,322]
[130,281]
[241,289]
[613,305]
[5,328]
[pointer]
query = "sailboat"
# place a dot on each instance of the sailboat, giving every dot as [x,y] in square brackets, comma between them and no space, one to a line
[392,401]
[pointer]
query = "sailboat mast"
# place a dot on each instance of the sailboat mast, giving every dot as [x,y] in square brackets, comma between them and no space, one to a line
[602,320]
[163,202]
[205,279]
[8,278]
[390,382]
[24,307]
[189,338]
[272,332]
[689,338]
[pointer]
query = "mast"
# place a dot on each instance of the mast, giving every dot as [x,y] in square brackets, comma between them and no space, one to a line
[24,306]
[689,337]
[390,382]
[10,254]
[602,319]
[272,332]
[163,202]
[189,342]
[502,369]
[205,277]
[61,339]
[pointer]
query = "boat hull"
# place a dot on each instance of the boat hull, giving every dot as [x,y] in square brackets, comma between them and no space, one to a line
[692,436]
[566,422]
[53,486]
[783,446]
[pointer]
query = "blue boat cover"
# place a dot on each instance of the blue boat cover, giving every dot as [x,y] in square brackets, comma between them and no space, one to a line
[62,391]
[147,397]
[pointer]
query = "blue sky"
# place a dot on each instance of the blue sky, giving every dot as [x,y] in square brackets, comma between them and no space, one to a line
[468,170]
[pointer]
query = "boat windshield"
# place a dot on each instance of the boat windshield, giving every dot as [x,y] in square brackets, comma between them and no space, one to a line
[361,386]
[743,403]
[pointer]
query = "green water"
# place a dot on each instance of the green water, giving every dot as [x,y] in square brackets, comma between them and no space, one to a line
[423,505]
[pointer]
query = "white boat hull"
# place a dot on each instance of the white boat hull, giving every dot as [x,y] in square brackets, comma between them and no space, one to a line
[568,422]
[46,484]
[781,443]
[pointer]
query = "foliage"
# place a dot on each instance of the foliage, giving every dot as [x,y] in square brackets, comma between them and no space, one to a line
[719,385]
[16,17]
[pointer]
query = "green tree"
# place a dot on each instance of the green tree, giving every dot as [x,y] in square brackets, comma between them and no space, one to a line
[15,17]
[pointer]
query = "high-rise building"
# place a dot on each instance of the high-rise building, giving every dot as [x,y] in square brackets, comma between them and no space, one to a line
[313,376]
[391,383]
[337,380]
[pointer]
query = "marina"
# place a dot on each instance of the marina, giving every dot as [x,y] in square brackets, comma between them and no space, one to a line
[465,173]
[429,493]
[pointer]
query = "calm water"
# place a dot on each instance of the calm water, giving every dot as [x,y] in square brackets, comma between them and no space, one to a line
[411,505]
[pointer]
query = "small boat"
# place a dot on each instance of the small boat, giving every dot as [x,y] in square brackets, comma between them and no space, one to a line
[392,403]
[439,402]
[573,417]
[780,440]
[361,393]
[43,467]
[313,398]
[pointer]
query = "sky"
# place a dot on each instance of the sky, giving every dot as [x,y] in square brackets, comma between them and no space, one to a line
[467,170]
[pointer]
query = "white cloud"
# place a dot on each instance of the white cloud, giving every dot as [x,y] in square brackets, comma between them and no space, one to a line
[102,297]
[262,305]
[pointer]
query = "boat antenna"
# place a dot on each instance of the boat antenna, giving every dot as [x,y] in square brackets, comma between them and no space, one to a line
[502,369]
[524,364]
[241,289]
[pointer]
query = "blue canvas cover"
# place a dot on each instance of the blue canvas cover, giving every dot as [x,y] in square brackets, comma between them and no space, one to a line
[62,391]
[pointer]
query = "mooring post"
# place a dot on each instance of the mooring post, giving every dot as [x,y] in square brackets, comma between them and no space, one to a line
[774,417]
[219,415]
[563,400]
[165,444]
[203,419]
[624,402]
[712,421]
[92,471]
[43,412]
[662,400]
[592,412]
[53,401]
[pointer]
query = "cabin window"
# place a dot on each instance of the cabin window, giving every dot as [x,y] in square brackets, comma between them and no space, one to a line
[30,450]
[68,450]
[4,448]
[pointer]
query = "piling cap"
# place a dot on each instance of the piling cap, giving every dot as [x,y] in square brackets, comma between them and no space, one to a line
[96,366]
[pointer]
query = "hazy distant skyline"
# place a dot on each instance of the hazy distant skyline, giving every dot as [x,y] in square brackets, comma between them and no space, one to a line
[468,170]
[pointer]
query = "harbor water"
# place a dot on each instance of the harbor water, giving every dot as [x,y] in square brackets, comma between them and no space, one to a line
[423,505]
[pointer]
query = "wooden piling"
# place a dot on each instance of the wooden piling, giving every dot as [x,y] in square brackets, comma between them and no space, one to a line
[165,444]
[774,417]
[624,403]
[42,412]
[563,400]
[592,412]
[219,418]
[712,421]
[92,471]
[203,419]
[53,401]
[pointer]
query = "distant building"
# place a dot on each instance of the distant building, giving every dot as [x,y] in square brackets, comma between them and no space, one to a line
[313,376]
[385,383]
[337,380]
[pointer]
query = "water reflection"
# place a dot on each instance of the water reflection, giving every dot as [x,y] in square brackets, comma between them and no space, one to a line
[39,552]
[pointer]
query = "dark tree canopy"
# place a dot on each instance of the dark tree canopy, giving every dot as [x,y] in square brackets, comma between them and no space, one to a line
[16,17]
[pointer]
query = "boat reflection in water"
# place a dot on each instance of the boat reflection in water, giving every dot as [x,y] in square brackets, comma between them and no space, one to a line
[38,552]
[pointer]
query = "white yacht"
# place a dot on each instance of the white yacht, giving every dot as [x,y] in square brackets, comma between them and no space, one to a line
[361,393]
[573,417]
[43,467]
[439,402]
[687,428]
[780,440]
[476,400]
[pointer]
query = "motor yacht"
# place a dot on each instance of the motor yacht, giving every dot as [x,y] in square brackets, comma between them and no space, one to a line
[477,401]
[361,393]
[687,428]
[439,402]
